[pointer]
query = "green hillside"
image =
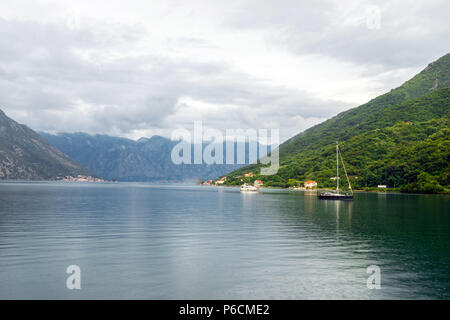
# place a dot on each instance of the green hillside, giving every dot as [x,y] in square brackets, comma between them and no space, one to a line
[400,139]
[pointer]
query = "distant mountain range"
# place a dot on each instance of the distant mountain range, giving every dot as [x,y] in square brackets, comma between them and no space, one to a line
[25,155]
[148,159]
[400,139]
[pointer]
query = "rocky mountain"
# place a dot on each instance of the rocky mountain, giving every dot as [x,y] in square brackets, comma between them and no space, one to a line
[25,155]
[148,159]
[400,139]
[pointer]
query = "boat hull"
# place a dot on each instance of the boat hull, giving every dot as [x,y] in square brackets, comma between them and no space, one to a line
[249,189]
[335,197]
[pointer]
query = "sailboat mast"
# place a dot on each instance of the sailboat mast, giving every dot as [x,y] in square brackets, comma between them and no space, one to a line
[337,167]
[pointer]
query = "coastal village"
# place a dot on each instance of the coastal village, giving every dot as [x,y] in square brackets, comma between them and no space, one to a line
[309,184]
[297,185]
[82,178]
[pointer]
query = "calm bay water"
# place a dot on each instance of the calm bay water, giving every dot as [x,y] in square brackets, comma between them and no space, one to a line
[134,240]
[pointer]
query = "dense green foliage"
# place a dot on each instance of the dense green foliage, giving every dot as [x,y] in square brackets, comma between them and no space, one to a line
[400,139]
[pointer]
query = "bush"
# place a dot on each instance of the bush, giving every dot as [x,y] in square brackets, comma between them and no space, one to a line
[426,183]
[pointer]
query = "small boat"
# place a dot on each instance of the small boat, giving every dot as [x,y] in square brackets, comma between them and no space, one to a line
[249,188]
[336,195]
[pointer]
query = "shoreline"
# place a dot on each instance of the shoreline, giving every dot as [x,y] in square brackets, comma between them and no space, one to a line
[217,186]
[328,189]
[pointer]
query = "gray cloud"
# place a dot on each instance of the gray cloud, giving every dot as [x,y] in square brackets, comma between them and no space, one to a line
[410,34]
[42,79]
[55,78]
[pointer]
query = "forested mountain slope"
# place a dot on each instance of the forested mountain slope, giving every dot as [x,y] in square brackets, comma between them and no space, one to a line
[400,139]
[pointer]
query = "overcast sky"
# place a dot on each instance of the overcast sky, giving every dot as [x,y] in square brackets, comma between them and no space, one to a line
[139,68]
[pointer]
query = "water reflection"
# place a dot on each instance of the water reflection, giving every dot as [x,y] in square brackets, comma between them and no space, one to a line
[147,241]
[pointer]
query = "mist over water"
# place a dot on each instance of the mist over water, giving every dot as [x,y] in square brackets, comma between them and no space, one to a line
[136,240]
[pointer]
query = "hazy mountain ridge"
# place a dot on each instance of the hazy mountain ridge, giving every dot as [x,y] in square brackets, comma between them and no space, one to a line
[25,155]
[148,159]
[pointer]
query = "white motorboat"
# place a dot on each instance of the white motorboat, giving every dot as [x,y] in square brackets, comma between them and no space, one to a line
[249,188]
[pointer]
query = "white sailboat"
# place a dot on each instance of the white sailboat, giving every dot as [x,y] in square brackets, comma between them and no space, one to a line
[337,195]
